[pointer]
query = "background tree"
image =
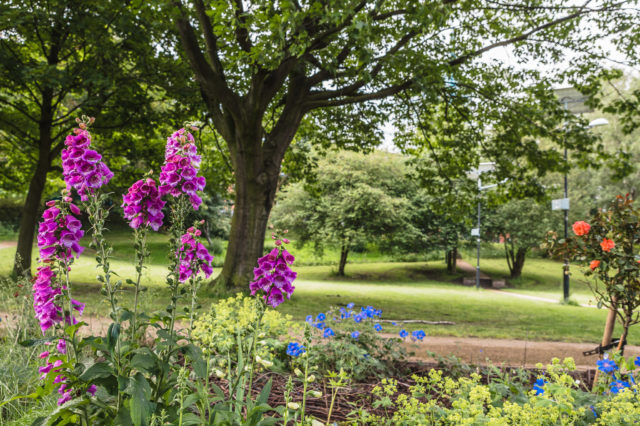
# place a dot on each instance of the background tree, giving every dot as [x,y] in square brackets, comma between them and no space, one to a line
[356,198]
[60,59]
[521,225]
[440,223]
[264,67]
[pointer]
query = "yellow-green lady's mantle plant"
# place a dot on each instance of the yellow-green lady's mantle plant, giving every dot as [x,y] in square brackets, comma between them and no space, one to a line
[122,378]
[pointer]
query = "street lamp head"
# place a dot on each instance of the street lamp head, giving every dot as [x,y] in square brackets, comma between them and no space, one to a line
[598,122]
[482,168]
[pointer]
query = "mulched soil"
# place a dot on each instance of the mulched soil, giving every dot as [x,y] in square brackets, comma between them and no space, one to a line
[358,395]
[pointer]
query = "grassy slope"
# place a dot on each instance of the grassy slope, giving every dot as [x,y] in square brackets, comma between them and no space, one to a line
[402,290]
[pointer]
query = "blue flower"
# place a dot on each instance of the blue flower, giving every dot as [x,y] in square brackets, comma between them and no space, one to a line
[309,318]
[378,327]
[328,332]
[637,361]
[368,312]
[618,385]
[593,410]
[377,312]
[351,305]
[295,349]
[355,334]
[321,317]
[607,365]
[394,323]
[357,318]
[318,325]
[418,335]
[538,386]
[403,333]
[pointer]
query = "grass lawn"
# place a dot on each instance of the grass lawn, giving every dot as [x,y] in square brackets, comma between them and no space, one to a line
[416,290]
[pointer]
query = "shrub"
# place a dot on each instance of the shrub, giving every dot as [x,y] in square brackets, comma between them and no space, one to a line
[232,320]
[350,340]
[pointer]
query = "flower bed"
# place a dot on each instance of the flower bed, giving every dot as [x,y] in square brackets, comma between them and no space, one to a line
[243,362]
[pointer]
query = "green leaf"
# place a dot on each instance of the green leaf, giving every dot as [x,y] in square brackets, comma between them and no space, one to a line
[145,362]
[264,394]
[112,335]
[97,371]
[190,419]
[34,342]
[140,406]
[195,353]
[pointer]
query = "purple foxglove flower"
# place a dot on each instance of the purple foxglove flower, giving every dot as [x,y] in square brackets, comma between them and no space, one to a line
[142,205]
[179,173]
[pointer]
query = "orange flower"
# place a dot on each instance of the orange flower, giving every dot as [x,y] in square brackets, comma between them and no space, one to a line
[607,244]
[594,264]
[581,228]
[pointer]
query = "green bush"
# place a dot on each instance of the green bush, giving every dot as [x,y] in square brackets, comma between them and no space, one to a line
[556,399]
[369,354]
[231,320]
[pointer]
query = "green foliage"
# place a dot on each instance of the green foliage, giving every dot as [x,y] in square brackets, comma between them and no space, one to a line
[367,355]
[522,224]
[441,400]
[356,198]
[230,321]
[615,266]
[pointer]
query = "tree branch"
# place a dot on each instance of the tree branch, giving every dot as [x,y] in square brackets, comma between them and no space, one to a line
[464,58]
[210,39]
[360,97]
[211,82]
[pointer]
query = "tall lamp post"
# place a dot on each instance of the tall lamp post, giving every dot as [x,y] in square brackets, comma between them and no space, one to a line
[573,101]
[475,232]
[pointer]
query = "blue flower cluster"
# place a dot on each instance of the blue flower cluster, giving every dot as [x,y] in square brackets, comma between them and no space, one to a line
[346,312]
[358,316]
[295,349]
[538,386]
[607,365]
[618,384]
[418,335]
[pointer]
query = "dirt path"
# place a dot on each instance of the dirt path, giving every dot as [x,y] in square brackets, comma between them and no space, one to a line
[7,244]
[507,351]
[470,349]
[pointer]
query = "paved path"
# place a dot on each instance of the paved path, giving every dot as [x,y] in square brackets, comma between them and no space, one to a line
[468,268]
[465,266]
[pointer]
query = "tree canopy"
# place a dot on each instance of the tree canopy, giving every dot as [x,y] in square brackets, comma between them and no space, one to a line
[355,199]
[344,67]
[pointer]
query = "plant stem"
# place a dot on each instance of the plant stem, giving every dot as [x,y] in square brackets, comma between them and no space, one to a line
[334,392]
[307,342]
[193,281]
[68,294]
[260,306]
[141,248]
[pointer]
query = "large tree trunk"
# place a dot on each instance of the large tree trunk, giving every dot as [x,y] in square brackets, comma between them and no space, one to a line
[255,190]
[29,218]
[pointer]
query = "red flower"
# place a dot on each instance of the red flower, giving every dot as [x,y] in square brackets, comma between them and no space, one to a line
[607,244]
[581,228]
[594,264]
